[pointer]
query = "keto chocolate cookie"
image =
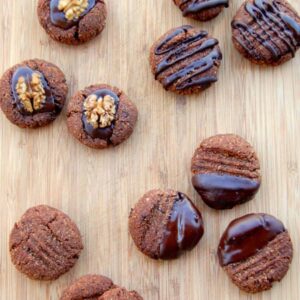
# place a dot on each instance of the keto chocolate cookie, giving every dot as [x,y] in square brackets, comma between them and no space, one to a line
[45,243]
[255,251]
[225,171]
[120,294]
[163,224]
[266,31]
[72,22]
[97,287]
[33,93]
[100,116]
[186,60]
[202,10]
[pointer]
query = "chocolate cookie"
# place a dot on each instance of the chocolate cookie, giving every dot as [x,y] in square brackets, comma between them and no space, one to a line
[163,224]
[266,31]
[97,287]
[225,171]
[33,93]
[45,243]
[101,115]
[185,60]
[120,294]
[72,22]
[255,250]
[202,10]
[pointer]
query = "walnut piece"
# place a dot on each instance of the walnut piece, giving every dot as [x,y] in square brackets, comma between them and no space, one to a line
[73,8]
[100,112]
[31,93]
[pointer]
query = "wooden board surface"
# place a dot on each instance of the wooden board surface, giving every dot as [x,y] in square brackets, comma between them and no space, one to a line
[98,188]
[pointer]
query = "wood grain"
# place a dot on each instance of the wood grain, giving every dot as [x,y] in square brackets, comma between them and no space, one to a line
[98,188]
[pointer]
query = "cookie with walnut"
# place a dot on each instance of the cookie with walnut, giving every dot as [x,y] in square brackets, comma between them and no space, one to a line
[72,22]
[101,116]
[45,243]
[33,93]
[201,10]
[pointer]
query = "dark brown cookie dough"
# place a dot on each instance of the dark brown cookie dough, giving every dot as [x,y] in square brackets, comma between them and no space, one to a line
[163,224]
[255,251]
[100,116]
[185,60]
[202,10]
[33,93]
[45,243]
[72,22]
[266,32]
[226,171]
[120,294]
[97,287]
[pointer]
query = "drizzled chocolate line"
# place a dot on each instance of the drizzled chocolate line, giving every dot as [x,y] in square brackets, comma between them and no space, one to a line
[267,15]
[197,7]
[180,50]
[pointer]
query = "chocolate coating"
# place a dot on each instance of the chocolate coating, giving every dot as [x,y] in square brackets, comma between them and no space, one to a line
[183,230]
[245,236]
[48,106]
[58,17]
[224,191]
[101,133]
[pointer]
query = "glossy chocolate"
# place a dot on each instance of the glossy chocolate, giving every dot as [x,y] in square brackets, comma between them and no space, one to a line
[183,230]
[223,191]
[269,20]
[58,17]
[195,6]
[176,52]
[245,236]
[100,133]
[49,104]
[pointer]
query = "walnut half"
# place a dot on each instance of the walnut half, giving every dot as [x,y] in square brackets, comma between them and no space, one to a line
[73,8]
[100,112]
[31,93]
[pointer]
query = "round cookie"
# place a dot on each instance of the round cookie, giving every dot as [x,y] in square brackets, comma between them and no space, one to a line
[33,93]
[267,32]
[72,22]
[163,224]
[226,171]
[45,243]
[201,10]
[185,60]
[100,116]
[120,294]
[255,251]
[88,287]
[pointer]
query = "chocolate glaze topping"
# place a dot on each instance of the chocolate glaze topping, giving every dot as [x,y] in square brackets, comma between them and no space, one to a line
[187,46]
[197,6]
[245,236]
[100,133]
[49,105]
[183,230]
[268,21]
[58,17]
[223,191]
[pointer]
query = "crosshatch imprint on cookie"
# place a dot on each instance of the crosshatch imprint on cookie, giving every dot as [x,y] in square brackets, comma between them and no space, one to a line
[100,111]
[31,92]
[73,8]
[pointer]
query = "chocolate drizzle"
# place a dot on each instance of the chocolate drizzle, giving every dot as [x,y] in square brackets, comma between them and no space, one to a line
[271,28]
[58,17]
[196,6]
[100,133]
[49,105]
[245,236]
[183,230]
[180,46]
[223,191]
